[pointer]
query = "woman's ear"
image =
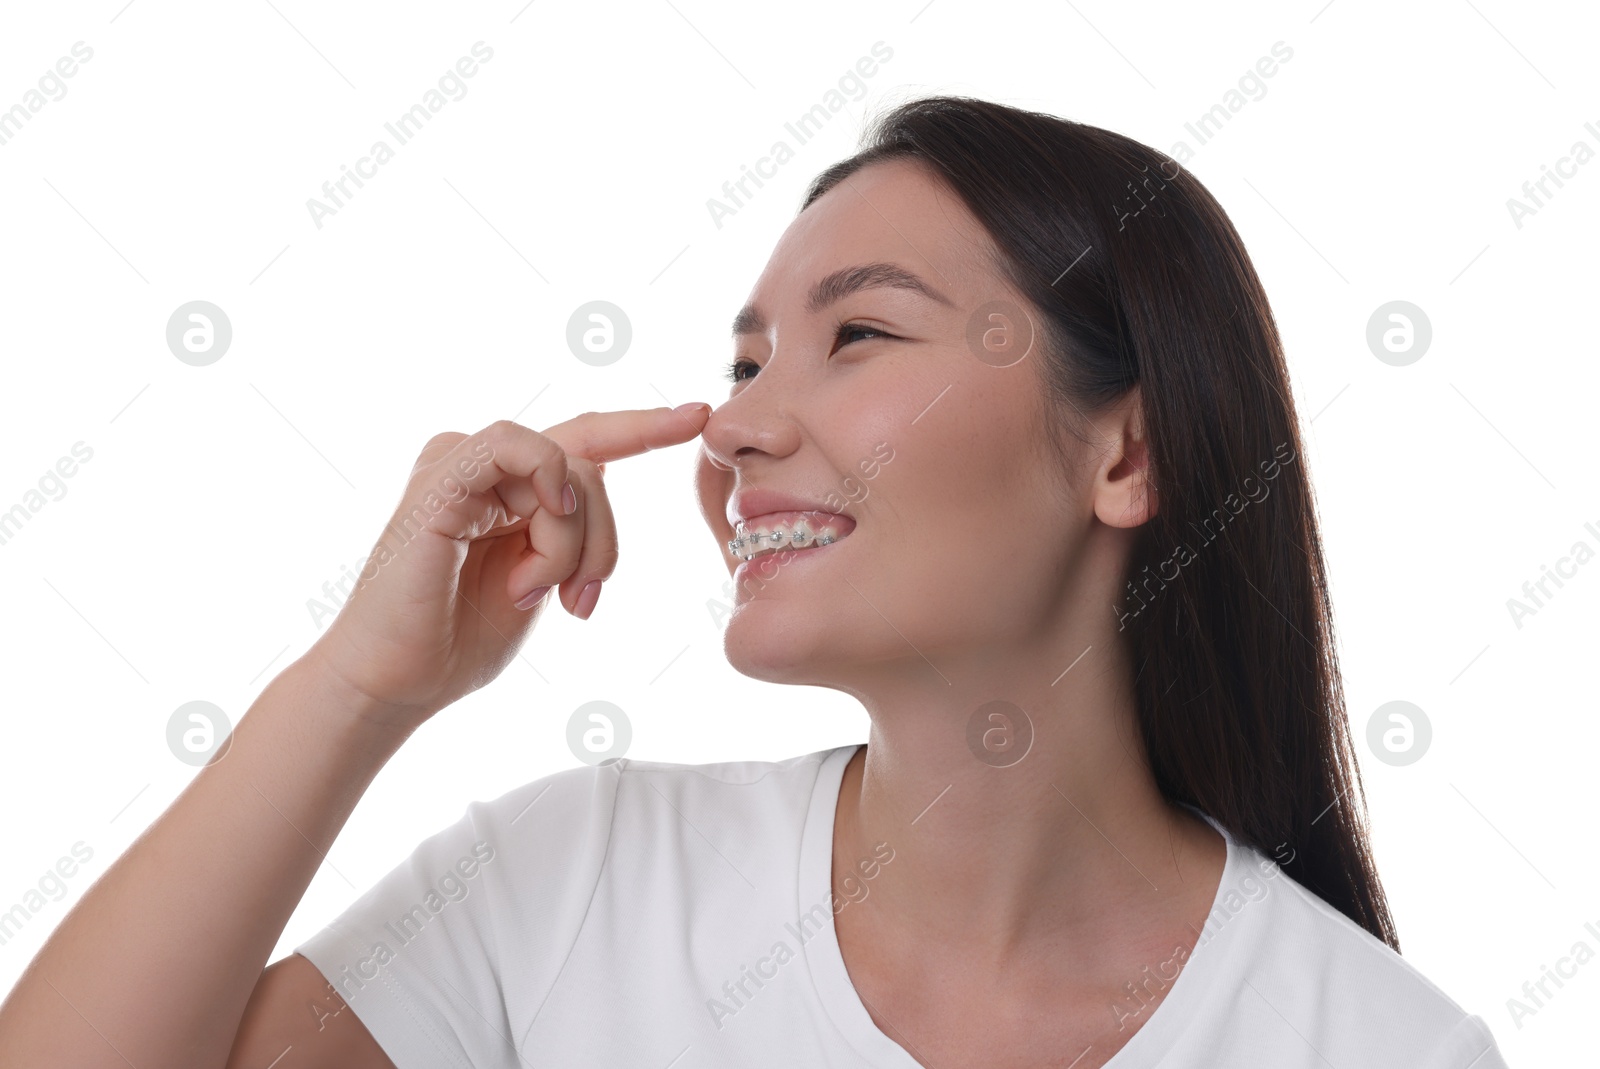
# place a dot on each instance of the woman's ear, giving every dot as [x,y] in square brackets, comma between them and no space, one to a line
[1124,495]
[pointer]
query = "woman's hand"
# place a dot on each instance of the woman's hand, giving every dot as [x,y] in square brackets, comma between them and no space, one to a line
[434,614]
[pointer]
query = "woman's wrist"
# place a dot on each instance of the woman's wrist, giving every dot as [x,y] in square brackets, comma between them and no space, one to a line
[341,705]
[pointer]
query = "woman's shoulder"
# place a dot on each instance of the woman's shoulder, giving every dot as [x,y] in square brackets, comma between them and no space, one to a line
[738,797]
[627,798]
[1353,949]
[619,776]
[731,773]
[1309,962]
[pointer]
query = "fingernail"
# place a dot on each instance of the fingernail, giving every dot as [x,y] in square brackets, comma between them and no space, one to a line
[586,600]
[532,597]
[690,408]
[569,499]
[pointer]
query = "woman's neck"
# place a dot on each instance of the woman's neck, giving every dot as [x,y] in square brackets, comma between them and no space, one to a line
[1061,855]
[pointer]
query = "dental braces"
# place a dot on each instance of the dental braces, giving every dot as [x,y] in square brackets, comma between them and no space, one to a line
[801,537]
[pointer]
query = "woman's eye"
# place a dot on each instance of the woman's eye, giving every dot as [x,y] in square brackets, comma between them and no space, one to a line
[846,329]
[735,371]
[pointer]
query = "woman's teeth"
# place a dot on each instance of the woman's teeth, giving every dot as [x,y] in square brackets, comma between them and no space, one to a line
[752,540]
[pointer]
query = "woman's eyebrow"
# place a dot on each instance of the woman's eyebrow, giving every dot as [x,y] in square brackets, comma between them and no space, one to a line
[840,284]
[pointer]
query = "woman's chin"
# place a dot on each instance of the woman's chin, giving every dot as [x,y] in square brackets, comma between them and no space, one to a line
[759,642]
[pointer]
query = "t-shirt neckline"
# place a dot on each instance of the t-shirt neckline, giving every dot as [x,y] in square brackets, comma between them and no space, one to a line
[831,980]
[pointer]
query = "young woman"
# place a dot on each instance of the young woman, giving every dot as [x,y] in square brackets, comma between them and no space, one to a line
[1009,456]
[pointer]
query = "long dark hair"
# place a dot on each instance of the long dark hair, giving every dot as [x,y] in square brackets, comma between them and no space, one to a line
[1141,280]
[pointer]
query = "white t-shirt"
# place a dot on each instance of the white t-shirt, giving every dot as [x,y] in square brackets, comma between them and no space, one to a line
[661,915]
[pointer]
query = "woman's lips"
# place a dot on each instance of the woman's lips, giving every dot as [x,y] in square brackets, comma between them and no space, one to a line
[750,504]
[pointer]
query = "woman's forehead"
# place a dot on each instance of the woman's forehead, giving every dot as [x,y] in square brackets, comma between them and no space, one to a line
[885,214]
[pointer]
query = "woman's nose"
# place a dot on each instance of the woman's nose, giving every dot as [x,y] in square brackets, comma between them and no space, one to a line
[747,425]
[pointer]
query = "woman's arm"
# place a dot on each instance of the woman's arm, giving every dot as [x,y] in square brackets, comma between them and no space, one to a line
[156,963]
[160,964]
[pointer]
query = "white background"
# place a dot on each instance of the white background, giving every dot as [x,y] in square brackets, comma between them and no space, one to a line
[219,499]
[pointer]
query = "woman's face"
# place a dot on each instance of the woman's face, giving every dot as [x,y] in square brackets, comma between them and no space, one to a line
[920,418]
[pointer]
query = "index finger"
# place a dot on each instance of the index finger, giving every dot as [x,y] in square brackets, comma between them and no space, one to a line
[603,436]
